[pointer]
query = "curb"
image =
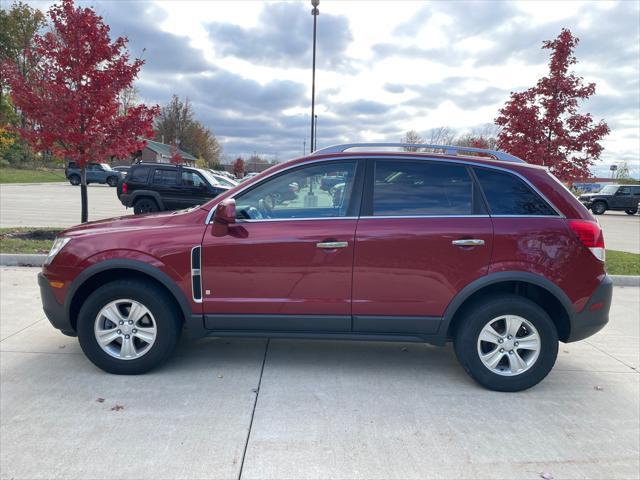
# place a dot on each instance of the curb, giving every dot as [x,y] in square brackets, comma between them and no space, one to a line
[626,280]
[22,260]
[34,260]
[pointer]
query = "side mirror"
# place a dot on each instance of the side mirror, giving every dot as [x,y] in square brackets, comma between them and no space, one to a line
[224,216]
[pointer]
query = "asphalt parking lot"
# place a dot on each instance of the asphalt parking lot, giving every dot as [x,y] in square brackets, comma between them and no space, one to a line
[284,409]
[58,205]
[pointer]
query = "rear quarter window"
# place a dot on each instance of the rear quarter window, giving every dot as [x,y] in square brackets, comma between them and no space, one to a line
[139,174]
[508,195]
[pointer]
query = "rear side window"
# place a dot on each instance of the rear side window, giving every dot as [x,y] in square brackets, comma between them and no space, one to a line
[508,195]
[421,188]
[139,174]
[165,177]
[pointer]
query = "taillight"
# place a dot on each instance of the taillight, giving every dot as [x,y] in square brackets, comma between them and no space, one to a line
[125,187]
[590,234]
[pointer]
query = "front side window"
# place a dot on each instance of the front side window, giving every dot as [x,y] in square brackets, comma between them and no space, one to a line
[315,191]
[192,179]
[508,195]
[165,177]
[624,191]
[609,190]
[421,188]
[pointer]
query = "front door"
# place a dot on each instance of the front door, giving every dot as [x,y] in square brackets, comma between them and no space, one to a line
[287,262]
[423,236]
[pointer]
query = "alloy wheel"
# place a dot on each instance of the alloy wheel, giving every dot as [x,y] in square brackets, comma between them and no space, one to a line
[125,329]
[509,345]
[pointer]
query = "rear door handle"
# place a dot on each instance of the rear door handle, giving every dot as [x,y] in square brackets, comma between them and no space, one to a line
[468,242]
[332,245]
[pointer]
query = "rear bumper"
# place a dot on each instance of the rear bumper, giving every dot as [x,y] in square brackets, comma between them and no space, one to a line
[52,309]
[125,199]
[595,315]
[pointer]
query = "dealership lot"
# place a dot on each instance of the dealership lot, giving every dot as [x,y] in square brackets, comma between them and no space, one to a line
[231,408]
[58,205]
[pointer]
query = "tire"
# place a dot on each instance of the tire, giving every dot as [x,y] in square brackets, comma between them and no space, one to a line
[598,208]
[631,212]
[468,346]
[74,180]
[112,181]
[145,205]
[163,315]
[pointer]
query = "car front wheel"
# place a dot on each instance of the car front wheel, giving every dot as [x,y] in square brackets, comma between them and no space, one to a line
[74,180]
[128,327]
[112,181]
[506,343]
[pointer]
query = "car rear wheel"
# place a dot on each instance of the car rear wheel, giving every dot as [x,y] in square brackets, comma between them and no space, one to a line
[598,208]
[631,212]
[74,180]
[128,327]
[112,181]
[506,343]
[145,205]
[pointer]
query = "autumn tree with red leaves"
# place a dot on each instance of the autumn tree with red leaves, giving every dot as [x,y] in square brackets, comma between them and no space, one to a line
[238,167]
[542,125]
[70,100]
[176,157]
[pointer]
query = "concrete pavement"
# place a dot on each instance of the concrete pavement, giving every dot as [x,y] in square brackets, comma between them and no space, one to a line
[621,231]
[324,409]
[55,204]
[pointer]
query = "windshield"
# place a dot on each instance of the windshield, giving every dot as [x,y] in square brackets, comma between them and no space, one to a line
[224,181]
[609,190]
[209,178]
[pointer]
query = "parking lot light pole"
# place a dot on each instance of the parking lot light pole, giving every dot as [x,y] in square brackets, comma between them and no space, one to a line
[315,132]
[315,12]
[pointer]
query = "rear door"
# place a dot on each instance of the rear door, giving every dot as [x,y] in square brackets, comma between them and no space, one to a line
[165,181]
[423,235]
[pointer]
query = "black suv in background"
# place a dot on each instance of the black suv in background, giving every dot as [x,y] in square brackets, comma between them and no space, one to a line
[151,187]
[623,198]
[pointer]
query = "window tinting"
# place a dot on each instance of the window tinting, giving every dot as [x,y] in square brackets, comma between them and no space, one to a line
[165,177]
[138,174]
[315,191]
[192,179]
[421,188]
[508,195]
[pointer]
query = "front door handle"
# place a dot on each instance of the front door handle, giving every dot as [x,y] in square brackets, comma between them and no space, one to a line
[468,242]
[332,245]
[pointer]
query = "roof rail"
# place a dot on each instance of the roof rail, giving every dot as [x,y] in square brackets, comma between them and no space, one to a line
[447,149]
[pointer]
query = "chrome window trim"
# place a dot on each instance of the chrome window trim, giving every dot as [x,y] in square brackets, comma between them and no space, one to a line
[480,215]
[403,157]
[260,220]
[194,272]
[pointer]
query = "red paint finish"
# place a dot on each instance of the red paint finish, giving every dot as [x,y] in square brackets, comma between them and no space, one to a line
[161,240]
[276,268]
[549,248]
[409,267]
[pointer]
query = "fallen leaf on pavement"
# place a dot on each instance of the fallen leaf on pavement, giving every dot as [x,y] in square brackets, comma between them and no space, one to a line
[100,400]
[546,476]
[117,408]
[598,388]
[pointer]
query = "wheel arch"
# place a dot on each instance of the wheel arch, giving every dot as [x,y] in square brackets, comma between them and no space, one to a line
[138,194]
[538,289]
[110,270]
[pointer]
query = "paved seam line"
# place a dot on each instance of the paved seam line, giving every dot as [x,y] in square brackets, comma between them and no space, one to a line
[616,359]
[22,329]
[253,412]
[40,353]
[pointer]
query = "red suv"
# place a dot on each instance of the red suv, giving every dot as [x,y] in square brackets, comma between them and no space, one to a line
[461,244]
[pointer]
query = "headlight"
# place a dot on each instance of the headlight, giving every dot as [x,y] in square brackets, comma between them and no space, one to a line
[58,244]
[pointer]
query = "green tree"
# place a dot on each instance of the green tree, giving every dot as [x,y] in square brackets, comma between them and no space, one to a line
[177,122]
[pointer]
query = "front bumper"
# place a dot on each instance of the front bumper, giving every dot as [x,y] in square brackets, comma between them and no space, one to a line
[595,315]
[52,309]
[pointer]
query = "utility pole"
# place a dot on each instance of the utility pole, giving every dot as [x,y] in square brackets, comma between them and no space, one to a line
[315,12]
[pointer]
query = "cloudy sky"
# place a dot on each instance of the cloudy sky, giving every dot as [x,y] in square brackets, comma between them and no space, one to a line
[383,67]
